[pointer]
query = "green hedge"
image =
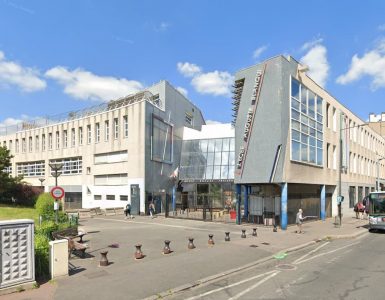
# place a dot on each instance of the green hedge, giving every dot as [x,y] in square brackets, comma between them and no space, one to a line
[41,255]
[44,205]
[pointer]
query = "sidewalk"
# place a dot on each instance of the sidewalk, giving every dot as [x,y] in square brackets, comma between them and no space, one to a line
[127,278]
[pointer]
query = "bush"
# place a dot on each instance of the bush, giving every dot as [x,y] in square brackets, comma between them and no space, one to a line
[46,228]
[44,205]
[41,255]
[25,194]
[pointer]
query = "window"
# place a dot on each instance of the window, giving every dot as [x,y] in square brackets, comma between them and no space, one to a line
[29,169]
[161,140]
[125,122]
[116,128]
[334,157]
[73,137]
[97,197]
[106,130]
[97,133]
[327,115]
[328,155]
[23,145]
[37,142]
[111,179]
[88,170]
[17,145]
[123,198]
[88,134]
[110,197]
[65,139]
[50,141]
[80,136]
[306,125]
[334,119]
[111,157]
[188,118]
[43,142]
[57,140]
[72,165]
[352,196]
[30,144]
[10,145]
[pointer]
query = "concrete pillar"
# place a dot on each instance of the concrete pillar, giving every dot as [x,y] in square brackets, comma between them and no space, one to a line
[246,205]
[238,204]
[323,203]
[284,206]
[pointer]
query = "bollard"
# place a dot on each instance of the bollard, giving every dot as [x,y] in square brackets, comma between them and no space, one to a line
[243,233]
[103,260]
[254,231]
[190,243]
[211,241]
[227,237]
[138,252]
[166,249]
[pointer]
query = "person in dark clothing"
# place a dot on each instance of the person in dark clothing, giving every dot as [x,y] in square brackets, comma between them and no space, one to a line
[128,211]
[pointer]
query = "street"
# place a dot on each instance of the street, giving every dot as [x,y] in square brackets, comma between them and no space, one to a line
[337,269]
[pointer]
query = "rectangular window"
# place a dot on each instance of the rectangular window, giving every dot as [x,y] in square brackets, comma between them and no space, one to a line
[111,157]
[97,197]
[29,169]
[334,119]
[65,138]
[352,196]
[328,156]
[43,142]
[188,118]
[334,157]
[30,144]
[123,198]
[50,141]
[106,130]
[111,179]
[88,134]
[97,133]
[17,146]
[23,145]
[161,140]
[37,143]
[80,136]
[57,140]
[327,115]
[110,197]
[72,165]
[116,128]
[125,121]
[10,145]
[73,137]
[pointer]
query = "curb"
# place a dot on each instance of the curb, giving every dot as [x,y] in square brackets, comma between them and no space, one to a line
[188,286]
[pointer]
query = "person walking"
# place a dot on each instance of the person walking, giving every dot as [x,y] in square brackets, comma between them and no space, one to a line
[128,211]
[151,208]
[299,220]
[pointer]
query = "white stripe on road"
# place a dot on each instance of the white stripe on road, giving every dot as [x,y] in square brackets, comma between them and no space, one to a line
[311,252]
[237,296]
[230,286]
[325,253]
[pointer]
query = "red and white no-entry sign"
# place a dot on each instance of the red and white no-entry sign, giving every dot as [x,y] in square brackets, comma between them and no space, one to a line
[57,192]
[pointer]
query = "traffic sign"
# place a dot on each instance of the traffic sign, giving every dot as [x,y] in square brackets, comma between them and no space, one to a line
[57,192]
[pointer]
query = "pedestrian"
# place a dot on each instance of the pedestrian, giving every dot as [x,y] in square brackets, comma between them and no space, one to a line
[151,208]
[128,211]
[299,220]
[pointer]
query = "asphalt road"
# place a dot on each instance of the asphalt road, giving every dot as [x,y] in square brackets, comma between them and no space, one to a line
[337,269]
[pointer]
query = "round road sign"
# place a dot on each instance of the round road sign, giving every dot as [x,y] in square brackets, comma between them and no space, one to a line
[57,192]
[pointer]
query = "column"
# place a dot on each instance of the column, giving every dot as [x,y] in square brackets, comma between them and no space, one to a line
[284,206]
[323,202]
[246,205]
[238,204]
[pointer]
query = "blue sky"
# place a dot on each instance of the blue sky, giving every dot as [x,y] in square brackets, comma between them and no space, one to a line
[58,56]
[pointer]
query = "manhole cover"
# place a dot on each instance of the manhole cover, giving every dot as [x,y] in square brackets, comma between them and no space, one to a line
[253,246]
[264,243]
[286,267]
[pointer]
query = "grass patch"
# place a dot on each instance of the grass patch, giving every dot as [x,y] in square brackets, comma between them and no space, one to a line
[8,212]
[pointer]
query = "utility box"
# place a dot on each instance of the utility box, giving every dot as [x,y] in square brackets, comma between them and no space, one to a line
[58,258]
[17,257]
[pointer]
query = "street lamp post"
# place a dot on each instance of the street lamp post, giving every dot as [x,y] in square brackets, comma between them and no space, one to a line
[339,201]
[41,181]
[56,167]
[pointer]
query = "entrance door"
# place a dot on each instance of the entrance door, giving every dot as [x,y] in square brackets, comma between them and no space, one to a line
[135,199]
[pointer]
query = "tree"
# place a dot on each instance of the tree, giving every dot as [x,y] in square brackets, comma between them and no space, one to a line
[7,182]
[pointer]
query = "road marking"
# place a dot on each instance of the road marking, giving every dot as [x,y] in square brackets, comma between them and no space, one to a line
[311,252]
[231,285]
[237,296]
[325,253]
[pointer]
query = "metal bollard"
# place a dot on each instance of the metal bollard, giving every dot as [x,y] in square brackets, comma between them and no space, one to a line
[243,233]
[227,237]
[166,249]
[211,241]
[103,260]
[138,252]
[191,243]
[254,231]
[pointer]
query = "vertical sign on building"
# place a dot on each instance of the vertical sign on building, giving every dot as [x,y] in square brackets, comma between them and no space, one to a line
[249,121]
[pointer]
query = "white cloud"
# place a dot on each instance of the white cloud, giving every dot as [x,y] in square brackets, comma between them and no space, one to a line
[316,59]
[217,83]
[183,91]
[163,26]
[311,44]
[14,121]
[257,52]
[381,27]
[187,69]
[84,85]
[213,122]
[371,64]
[14,74]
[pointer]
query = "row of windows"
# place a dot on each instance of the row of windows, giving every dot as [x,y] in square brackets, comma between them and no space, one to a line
[111,197]
[71,166]
[68,138]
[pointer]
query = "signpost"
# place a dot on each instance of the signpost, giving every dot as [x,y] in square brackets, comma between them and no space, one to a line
[57,192]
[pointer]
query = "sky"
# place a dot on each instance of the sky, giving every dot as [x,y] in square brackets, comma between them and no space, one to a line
[60,56]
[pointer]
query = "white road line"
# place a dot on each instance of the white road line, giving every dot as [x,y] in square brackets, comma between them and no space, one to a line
[325,253]
[311,252]
[230,285]
[237,296]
